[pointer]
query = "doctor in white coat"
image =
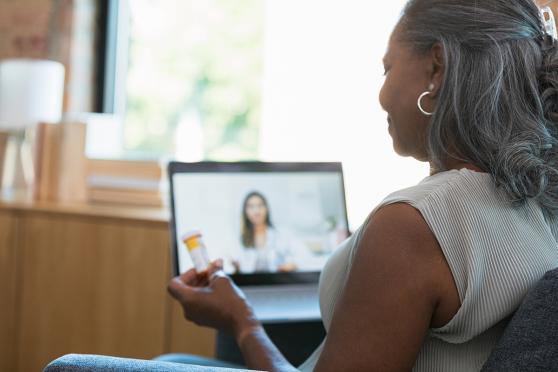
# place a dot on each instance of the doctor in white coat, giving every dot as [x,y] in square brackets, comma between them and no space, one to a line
[262,248]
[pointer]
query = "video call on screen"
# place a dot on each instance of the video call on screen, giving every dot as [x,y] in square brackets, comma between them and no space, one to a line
[262,222]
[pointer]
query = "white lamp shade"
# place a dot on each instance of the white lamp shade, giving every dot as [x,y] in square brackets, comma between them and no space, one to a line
[31,91]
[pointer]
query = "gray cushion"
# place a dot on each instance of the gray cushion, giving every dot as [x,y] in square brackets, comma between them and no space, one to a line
[101,363]
[530,341]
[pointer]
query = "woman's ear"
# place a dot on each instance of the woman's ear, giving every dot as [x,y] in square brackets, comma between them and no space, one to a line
[437,68]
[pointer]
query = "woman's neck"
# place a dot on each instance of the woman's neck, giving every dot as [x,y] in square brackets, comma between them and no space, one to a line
[457,165]
[260,229]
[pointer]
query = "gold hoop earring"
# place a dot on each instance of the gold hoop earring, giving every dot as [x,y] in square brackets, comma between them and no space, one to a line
[419,104]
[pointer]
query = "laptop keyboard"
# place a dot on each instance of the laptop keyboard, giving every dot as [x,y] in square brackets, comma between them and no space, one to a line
[284,303]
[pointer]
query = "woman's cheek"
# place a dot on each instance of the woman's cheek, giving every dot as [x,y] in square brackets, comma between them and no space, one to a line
[381,97]
[386,96]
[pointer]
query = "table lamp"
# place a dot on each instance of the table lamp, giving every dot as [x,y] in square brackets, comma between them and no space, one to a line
[31,91]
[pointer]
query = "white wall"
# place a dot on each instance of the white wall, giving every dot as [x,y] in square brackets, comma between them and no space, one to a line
[322,76]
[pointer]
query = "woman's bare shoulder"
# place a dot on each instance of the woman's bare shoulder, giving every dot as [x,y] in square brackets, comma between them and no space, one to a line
[391,296]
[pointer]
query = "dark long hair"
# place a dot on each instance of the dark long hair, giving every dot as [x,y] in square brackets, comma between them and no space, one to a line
[498,104]
[247,226]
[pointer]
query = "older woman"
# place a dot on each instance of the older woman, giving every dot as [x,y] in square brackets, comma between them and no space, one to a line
[429,280]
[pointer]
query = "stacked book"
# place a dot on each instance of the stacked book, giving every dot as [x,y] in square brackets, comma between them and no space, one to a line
[125,182]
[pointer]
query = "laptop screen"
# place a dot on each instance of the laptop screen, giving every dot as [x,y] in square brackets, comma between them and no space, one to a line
[269,222]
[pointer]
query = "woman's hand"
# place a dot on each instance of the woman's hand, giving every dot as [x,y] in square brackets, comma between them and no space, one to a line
[213,300]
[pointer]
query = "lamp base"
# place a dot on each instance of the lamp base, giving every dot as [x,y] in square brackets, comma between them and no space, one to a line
[17,170]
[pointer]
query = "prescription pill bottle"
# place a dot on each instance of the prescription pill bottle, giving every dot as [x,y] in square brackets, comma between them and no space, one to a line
[198,252]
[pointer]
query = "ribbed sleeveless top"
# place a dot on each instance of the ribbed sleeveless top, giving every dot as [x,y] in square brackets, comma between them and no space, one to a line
[496,253]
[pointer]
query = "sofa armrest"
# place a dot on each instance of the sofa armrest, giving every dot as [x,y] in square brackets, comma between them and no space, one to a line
[101,363]
[530,341]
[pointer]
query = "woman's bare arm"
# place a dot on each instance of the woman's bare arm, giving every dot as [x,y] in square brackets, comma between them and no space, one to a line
[260,353]
[394,287]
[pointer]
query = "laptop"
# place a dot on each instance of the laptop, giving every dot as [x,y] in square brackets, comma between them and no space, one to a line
[274,225]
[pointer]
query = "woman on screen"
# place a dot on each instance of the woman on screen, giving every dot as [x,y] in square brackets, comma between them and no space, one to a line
[263,248]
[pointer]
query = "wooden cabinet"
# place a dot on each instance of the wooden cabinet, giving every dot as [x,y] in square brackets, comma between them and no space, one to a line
[87,280]
[9,262]
[185,335]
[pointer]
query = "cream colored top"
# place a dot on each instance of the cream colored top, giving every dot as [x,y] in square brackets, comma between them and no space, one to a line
[496,253]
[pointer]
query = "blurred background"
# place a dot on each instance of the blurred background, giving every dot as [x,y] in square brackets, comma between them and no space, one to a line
[223,80]
[267,80]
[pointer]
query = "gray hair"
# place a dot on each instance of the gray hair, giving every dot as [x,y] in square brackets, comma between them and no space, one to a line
[498,105]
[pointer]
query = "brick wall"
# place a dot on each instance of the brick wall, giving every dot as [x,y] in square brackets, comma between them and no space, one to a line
[24,28]
[61,30]
[553,5]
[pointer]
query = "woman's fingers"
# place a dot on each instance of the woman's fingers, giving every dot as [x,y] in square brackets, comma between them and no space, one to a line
[216,265]
[181,291]
[189,277]
[185,284]
[176,288]
[218,304]
[215,268]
